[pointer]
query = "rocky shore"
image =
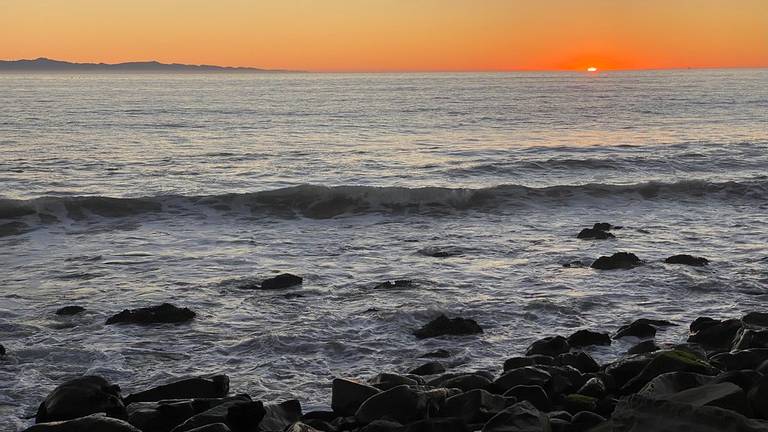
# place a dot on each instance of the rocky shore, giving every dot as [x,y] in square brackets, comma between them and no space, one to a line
[714,381]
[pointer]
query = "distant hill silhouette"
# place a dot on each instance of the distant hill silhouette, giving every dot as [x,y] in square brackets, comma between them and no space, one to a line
[47,65]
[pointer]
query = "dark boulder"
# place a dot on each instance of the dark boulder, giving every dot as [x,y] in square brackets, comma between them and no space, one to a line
[531,360]
[520,417]
[619,260]
[593,234]
[466,382]
[283,280]
[575,403]
[300,427]
[582,338]
[347,396]
[745,379]
[594,387]
[239,414]
[165,313]
[747,338]
[90,423]
[579,360]
[442,325]
[638,329]
[687,260]
[163,416]
[429,368]
[386,381]
[604,226]
[81,397]
[381,426]
[755,320]
[670,383]
[2,350]
[714,335]
[278,417]
[644,347]
[738,360]
[216,386]
[549,346]
[534,394]
[441,251]
[402,404]
[474,406]
[758,398]
[69,310]
[527,375]
[584,421]
[723,395]
[668,361]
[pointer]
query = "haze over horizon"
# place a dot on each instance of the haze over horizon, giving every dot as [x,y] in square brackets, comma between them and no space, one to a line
[455,35]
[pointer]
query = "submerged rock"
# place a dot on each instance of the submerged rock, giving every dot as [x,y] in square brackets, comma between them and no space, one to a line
[593,234]
[549,346]
[687,260]
[398,283]
[81,397]
[619,260]
[430,368]
[216,386]
[70,310]
[442,325]
[165,313]
[441,353]
[441,252]
[284,280]
[90,423]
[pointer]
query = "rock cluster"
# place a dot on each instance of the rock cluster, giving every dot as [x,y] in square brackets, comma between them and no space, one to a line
[715,382]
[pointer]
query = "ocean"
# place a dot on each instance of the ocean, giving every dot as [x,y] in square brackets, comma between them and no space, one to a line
[122,191]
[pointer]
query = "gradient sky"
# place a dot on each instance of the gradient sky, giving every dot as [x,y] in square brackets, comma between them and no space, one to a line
[373,35]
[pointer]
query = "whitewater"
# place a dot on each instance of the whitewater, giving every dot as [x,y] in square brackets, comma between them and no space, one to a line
[123,191]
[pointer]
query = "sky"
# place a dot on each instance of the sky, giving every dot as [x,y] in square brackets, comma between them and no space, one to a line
[393,35]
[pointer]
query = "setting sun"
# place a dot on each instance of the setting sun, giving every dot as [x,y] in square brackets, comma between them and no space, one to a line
[591,69]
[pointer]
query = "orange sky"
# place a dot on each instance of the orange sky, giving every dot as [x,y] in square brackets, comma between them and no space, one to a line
[374,35]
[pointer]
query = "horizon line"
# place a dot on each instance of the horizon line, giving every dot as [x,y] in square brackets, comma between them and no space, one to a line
[375,71]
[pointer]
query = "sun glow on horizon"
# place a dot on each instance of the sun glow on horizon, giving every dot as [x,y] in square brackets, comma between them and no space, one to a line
[591,69]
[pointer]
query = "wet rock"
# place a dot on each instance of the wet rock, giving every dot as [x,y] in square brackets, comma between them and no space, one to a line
[466,382]
[441,353]
[746,359]
[747,338]
[575,403]
[91,423]
[283,280]
[641,414]
[626,368]
[347,396]
[442,325]
[668,361]
[69,310]
[447,424]
[619,260]
[579,360]
[474,406]
[238,414]
[745,379]
[386,381]
[593,234]
[670,383]
[165,313]
[216,386]
[2,350]
[639,329]
[687,260]
[758,398]
[559,425]
[723,395]
[644,347]
[585,420]
[563,379]
[527,375]
[400,403]
[549,346]
[755,320]
[531,360]
[216,427]
[277,417]
[715,335]
[382,426]
[594,387]
[81,397]
[399,283]
[582,338]
[163,416]
[604,226]
[534,394]
[430,368]
[522,417]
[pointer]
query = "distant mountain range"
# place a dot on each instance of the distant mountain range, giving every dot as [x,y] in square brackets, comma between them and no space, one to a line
[48,65]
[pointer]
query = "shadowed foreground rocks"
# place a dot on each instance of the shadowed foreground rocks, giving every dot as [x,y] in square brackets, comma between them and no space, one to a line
[714,382]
